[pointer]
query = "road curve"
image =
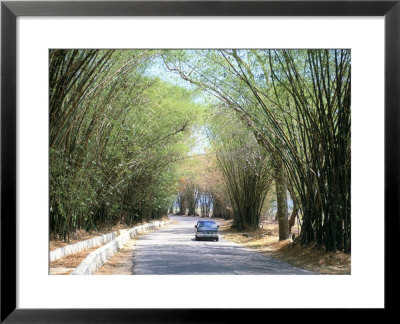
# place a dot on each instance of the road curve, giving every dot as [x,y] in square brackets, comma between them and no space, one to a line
[174,251]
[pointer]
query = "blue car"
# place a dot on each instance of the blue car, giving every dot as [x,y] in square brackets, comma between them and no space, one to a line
[206,229]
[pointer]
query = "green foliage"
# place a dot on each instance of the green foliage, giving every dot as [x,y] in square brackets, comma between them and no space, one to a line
[116,138]
[245,165]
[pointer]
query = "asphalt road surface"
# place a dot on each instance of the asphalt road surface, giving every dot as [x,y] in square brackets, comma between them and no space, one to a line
[174,251]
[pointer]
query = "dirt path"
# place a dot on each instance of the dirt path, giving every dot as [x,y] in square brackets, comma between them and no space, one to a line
[66,265]
[266,241]
[121,263]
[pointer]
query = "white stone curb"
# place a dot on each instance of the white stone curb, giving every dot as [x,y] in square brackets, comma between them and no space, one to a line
[87,244]
[97,258]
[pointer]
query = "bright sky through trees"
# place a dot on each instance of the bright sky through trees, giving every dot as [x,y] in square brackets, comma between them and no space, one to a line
[158,70]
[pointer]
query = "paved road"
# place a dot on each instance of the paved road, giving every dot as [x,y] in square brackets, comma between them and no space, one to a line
[173,250]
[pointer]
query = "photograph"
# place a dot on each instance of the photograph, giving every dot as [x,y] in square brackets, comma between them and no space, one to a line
[197,161]
[230,161]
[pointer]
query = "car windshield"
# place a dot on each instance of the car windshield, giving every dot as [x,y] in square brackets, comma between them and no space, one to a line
[207,224]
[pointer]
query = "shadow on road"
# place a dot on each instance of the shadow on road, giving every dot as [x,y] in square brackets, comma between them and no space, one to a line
[174,251]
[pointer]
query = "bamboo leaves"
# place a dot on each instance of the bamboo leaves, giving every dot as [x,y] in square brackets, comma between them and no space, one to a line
[114,137]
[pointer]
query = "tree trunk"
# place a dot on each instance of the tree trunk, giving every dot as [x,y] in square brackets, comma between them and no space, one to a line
[181,204]
[292,219]
[281,198]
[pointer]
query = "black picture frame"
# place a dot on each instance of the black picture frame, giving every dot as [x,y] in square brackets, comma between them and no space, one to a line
[10,10]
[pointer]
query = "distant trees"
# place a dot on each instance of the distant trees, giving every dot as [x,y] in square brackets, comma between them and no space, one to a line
[202,188]
[245,166]
[114,139]
[205,202]
[188,196]
[180,200]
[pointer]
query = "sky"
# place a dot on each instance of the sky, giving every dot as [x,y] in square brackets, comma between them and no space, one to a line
[159,70]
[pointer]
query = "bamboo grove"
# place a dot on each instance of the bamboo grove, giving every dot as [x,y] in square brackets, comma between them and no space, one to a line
[202,190]
[114,137]
[277,121]
[297,104]
[245,166]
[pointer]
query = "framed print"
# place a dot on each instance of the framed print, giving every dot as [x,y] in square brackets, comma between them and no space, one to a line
[363,36]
